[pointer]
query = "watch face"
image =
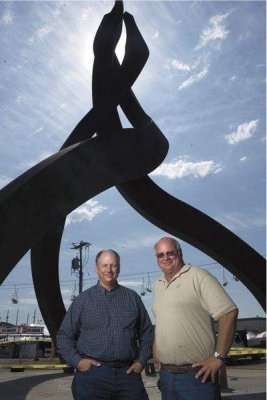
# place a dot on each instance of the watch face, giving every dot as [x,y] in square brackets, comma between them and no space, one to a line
[219,356]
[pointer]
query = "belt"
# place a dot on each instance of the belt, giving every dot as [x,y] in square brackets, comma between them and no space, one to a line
[116,363]
[180,369]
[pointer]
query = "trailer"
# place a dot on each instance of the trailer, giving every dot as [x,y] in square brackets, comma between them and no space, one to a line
[254,353]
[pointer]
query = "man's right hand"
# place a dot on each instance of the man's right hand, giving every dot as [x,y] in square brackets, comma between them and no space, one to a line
[86,363]
[156,363]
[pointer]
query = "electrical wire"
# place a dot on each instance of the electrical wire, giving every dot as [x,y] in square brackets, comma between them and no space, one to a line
[133,276]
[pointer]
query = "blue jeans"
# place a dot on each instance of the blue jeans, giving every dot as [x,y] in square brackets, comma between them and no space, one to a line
[186,387]
[106,383]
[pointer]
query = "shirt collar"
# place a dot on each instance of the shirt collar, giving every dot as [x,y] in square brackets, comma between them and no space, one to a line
[184,269]
[102,290]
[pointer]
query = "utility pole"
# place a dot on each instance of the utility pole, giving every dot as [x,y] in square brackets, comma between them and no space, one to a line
[77,263]
[17,317]
[7,317]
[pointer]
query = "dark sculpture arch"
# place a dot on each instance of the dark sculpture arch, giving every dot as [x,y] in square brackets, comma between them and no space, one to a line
[37,203]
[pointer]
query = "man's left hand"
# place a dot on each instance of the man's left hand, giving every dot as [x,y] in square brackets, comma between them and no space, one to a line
[136,367]
[209,368]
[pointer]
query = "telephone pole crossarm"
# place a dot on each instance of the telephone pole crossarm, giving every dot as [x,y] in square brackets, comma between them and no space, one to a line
[80,248]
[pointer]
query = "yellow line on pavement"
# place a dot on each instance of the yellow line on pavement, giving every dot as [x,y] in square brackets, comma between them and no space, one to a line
[34,366]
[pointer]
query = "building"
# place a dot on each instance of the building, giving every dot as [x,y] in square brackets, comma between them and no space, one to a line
[9,331]
[251,324]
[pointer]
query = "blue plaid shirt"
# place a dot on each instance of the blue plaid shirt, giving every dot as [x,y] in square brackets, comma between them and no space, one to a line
[106,326]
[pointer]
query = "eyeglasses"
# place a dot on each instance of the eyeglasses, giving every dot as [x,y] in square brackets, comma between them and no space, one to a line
[168,254]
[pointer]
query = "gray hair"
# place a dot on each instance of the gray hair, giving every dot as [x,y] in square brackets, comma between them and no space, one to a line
[110,251]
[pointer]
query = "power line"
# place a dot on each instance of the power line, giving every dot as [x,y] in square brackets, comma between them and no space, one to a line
[69,282]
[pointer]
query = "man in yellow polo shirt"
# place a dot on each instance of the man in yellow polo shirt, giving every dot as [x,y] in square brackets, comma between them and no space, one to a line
[187,300]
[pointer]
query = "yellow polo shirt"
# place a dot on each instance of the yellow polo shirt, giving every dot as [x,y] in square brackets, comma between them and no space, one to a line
[184,310]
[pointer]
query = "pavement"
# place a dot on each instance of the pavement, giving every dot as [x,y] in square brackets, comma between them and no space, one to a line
[245,382]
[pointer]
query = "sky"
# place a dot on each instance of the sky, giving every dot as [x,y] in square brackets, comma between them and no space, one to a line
[204,85]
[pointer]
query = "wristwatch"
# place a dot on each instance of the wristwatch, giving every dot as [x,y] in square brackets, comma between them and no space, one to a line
[219,356]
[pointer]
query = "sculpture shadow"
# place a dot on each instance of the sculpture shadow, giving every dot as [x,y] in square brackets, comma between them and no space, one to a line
[18,389]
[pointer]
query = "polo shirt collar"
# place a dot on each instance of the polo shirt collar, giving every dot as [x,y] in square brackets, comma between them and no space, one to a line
[184,269]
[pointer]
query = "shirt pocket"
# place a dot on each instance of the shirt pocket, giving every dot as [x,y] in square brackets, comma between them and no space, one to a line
[95,321]
[128,320]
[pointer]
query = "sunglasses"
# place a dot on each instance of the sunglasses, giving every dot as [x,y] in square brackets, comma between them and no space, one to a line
[168,254]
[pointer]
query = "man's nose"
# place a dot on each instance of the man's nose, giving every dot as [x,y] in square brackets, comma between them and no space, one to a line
[166,256]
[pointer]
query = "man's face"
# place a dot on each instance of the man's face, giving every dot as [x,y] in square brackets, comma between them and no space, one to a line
[107,269]
[168,257]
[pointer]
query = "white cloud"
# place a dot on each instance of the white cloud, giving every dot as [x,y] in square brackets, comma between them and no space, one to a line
[19,98]
[155,35]
[181,168]
[86,13]
[243,158]
[194,78]
[236,220]
[38,130]
[4,180]
[216,31]
[7,17]
[44,31]
[87,211]
[177,64]
[136,243]
[243,132]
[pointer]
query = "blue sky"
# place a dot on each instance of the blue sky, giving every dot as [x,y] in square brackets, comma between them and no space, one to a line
[204,85]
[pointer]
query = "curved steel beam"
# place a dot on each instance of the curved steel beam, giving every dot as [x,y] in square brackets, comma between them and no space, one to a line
[198,229]
[39,199]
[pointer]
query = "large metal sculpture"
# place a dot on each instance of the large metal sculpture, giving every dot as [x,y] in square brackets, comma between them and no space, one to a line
[33,207]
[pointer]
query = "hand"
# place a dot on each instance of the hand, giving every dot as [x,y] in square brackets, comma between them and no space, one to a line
[156,364]
[209,368]
[86,363]
[136,367]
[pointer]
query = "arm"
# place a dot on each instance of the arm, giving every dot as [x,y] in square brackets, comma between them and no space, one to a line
[227,325]
[155,356]
[145,339]
[67,337]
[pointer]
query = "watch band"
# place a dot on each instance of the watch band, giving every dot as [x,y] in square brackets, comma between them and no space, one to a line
[219,356]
